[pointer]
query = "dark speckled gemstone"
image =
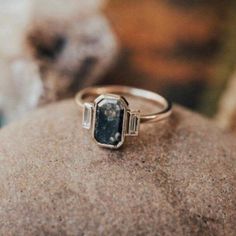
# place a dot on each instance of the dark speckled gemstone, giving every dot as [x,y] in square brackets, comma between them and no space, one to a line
[109,121]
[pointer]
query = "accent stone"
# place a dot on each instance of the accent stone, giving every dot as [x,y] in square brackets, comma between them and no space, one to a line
[87,115]
[134,122]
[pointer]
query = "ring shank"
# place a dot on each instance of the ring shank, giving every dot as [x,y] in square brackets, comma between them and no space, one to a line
[136,92]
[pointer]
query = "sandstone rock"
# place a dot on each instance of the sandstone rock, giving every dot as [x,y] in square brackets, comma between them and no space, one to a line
[177,178]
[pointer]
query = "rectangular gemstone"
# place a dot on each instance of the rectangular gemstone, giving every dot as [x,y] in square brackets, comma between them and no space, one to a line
[110,114]
[87,115]
[134,121]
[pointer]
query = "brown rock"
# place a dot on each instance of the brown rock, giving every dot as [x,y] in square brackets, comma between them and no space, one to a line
[176,178]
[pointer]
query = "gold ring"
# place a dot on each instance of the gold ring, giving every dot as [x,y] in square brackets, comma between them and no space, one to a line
[109,115]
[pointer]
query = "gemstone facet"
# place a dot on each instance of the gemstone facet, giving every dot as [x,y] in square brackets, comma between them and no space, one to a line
[110,116]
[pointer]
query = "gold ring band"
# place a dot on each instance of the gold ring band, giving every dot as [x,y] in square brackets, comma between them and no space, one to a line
[136,92]
[110,117]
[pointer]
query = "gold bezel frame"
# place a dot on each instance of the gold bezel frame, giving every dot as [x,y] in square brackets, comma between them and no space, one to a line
[125,120]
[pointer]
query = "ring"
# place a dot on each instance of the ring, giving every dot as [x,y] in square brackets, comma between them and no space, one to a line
[109,116]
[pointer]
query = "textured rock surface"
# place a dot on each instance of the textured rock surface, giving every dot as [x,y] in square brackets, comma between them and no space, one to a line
[176,178]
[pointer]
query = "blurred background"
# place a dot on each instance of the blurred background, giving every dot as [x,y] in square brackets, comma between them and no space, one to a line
[183,49]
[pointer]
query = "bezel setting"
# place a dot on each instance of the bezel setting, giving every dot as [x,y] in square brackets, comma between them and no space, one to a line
[124,104]
[126,122]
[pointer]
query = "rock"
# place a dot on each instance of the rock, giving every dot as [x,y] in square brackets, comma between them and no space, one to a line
[177,178]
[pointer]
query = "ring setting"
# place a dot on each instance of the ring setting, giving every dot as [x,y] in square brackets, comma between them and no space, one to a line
[111,120]
[109,116]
